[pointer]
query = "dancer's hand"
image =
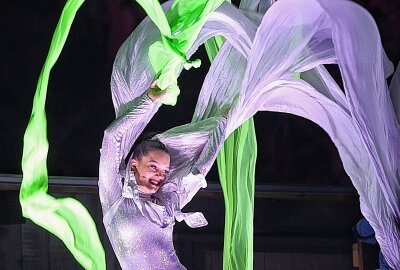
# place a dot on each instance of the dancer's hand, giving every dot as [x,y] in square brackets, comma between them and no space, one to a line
[155,93]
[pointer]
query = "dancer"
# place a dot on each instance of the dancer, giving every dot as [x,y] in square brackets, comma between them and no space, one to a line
[139,200]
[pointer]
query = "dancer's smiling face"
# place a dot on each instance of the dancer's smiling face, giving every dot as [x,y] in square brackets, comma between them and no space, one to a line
[151,170]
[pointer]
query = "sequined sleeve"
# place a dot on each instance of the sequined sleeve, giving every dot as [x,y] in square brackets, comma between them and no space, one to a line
[117,142]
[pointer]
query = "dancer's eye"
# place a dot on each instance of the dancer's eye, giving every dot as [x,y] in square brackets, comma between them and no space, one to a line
[153,167]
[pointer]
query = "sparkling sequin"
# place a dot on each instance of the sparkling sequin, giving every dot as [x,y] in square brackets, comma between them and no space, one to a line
[139,243]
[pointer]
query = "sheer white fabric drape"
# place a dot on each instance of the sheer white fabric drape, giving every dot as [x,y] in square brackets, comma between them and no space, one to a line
[254,72]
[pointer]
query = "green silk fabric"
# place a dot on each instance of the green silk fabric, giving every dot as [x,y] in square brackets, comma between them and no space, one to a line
[66,218]
[236,168]
[179,28]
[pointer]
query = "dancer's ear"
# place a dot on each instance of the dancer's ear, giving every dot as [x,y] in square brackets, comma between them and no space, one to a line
[134,163]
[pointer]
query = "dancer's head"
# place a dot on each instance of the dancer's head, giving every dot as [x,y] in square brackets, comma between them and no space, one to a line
[150,164]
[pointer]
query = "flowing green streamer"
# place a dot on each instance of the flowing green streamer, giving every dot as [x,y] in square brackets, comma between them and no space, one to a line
[236,168]
[66,218]
[179,29]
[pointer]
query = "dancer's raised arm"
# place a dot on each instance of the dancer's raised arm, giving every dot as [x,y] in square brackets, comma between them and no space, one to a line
[117,142]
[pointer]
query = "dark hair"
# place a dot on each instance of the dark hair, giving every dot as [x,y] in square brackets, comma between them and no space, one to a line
[146,146]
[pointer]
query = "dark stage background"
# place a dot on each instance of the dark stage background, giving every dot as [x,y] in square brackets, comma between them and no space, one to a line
[305,223]
[79,107]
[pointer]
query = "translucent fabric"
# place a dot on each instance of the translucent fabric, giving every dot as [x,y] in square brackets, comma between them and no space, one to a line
[179,28]
[236,169]
[66,218]
[254,72]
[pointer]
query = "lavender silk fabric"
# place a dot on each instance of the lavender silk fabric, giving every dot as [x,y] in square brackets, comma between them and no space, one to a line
[254,72]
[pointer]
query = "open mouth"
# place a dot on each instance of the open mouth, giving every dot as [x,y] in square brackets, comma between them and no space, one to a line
[155,183]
